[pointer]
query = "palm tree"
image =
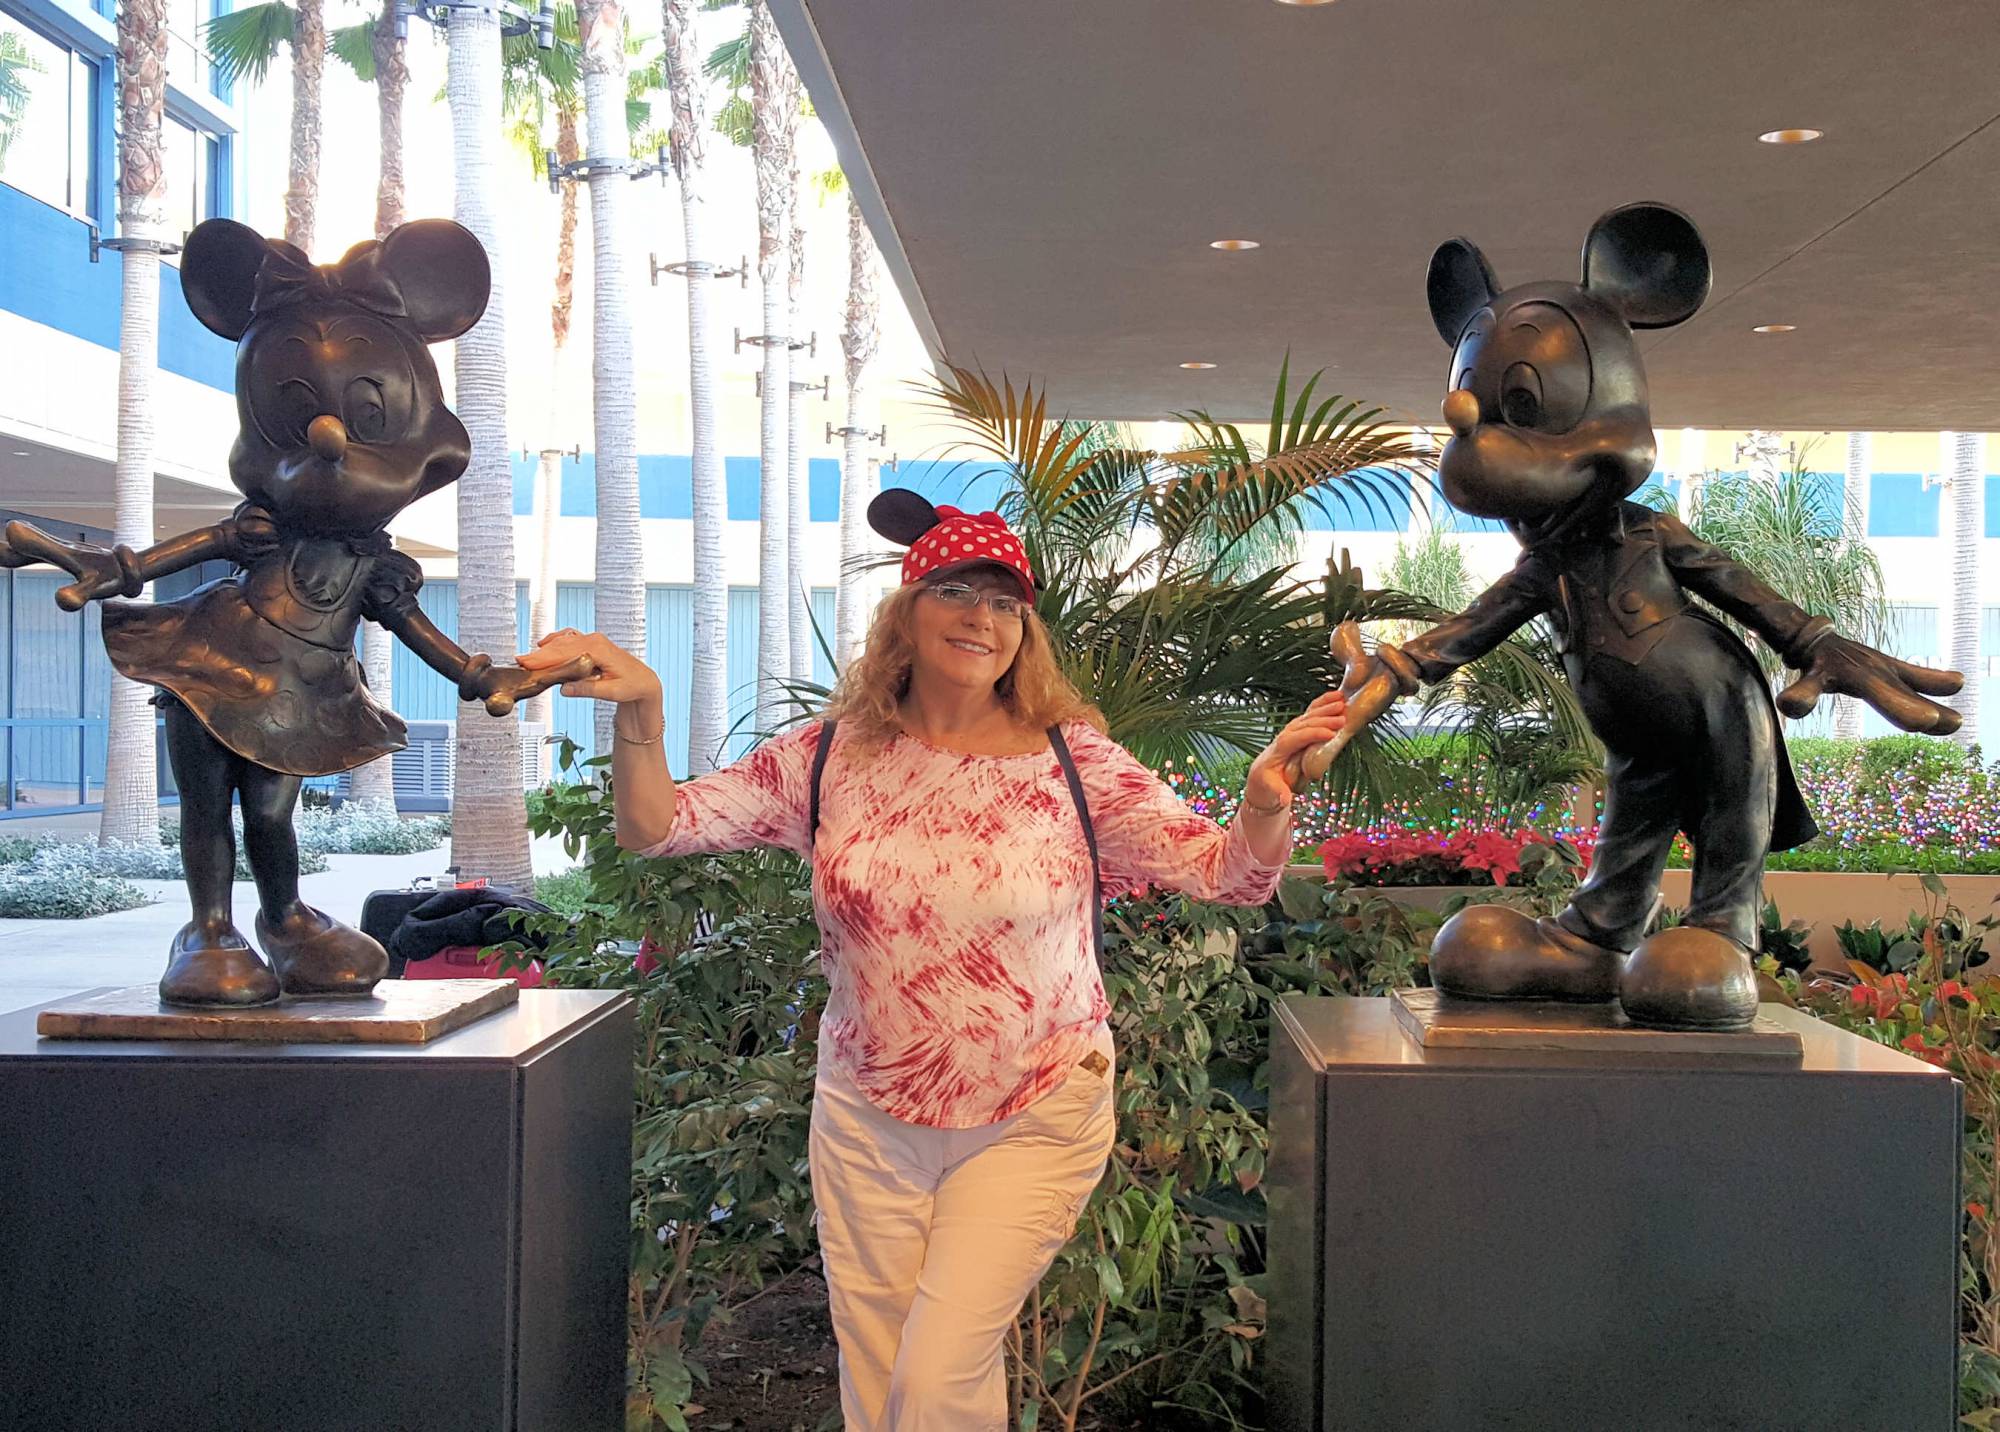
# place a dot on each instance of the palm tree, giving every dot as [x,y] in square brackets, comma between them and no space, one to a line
[859,338]
[774,100]
[244,42]
[537,82]
[708,704]
[388,51]
[131,775]
[1854,499]
[621,577]
[797,506]
[1963,460]
[489,815]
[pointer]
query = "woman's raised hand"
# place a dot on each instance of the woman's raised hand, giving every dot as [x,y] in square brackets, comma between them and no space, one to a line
[1270,782]
[621,677]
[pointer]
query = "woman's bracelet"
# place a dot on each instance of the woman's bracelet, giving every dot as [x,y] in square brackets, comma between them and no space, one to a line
[1278,809]
[652,740]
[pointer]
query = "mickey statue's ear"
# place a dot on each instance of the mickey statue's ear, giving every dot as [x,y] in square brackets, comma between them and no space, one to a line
[1461,283]
[219,274]
[1648,262]
[901,515]
[442,273]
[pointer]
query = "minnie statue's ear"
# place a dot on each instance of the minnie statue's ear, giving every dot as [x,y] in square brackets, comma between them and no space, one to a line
[901,515]
[219,274]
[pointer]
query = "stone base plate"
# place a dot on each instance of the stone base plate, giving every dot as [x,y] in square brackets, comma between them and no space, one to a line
[1439,1021]
[397,1012]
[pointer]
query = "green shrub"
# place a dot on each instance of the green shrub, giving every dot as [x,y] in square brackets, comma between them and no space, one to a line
[567,892]
[15,849]
[31,892]
[368,828]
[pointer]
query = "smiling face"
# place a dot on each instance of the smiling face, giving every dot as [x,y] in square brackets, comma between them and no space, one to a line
[967,646]
[1548,406]
[343,422]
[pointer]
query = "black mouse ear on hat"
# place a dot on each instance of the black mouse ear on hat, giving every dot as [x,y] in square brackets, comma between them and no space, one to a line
[1649,262]
[1459,284]
[901,515]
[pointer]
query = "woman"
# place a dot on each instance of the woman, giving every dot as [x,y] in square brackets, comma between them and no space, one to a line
[963,1110]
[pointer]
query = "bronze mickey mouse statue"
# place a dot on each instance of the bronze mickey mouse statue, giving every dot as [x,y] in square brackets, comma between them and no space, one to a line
[343,424]
[1551,434]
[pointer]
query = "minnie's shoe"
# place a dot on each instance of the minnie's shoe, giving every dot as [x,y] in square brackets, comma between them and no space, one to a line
[206,971]
[317,955]
[1494,952]
[1688,978]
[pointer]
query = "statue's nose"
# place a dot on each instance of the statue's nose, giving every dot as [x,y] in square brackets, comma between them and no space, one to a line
[1461,412]
[328,436]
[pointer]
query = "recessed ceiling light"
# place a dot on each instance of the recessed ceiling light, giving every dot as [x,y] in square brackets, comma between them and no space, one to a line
[22,452]
[1774,328]
[1235,246]
[1790,136]
[1305,2]
[1197,365]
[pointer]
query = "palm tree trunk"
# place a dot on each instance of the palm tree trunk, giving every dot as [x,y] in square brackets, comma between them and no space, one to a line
[1963,457]
[548,474]
[489,816]
[375,783]
[621,575]
[308,62]
[858,340]
[1846,709]
[775,107]
[392,78]
[797,511]
[1691,469]
[708,703]
[131,775]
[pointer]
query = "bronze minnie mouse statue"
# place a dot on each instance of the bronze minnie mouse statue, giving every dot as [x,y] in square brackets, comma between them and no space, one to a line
[1551,433]
[342,425]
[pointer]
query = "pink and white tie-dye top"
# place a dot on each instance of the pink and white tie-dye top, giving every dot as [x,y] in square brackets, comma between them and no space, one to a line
[953,895]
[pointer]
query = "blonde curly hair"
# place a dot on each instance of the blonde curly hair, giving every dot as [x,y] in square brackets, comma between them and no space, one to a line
[867,699]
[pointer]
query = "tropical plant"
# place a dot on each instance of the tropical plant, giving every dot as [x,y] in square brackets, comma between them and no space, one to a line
[489,816]
[15,62]
[708,699]
[1964,462]
[1137,557]
[1794,530]
[1430,564]
[131,778]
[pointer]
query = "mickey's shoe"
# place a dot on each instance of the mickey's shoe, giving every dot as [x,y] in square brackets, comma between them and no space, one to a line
[206,970]
[1686,977]
[317,955]
[1494,952]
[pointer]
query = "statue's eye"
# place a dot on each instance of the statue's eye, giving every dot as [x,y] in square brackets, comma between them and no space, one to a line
[296,405]
[365,412]
[1521,396]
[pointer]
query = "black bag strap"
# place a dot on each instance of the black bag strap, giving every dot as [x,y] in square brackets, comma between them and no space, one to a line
[819,772]
[1063,759]
[1068,763]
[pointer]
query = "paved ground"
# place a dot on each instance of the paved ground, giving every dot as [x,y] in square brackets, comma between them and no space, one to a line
[41,960]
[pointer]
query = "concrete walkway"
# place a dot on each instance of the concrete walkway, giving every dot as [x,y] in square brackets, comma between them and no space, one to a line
[41,960]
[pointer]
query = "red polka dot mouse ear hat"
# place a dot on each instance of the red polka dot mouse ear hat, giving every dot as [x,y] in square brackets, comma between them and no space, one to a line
[944,540]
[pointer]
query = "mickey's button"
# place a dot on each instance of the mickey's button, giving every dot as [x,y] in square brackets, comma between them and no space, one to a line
[1630,602]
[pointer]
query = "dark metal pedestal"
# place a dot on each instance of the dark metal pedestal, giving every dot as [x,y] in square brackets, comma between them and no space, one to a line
[1470,1240]
[319,1238]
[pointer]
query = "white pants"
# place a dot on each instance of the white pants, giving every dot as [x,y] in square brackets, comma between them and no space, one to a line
[932,1238]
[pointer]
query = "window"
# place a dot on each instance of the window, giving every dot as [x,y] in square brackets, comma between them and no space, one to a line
[1900,504]
[45,118]
[1913,633]
[187,42]
[1989,641]
[191,157]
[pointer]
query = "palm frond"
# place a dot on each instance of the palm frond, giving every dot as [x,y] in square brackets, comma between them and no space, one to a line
[243,43]
[730,62]
[354,46]
[736,121]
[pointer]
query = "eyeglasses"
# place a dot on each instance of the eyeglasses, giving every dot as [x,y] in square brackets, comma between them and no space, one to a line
[957,594]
